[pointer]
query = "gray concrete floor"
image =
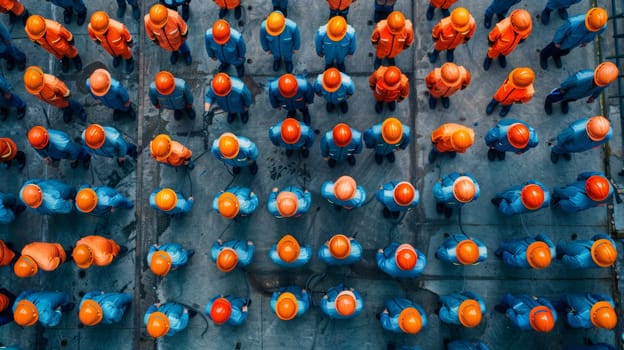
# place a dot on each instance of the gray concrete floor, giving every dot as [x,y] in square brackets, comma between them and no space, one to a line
[197,283]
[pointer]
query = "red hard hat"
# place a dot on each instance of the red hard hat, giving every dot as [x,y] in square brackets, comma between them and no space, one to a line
[221,31]
[287,85]
[406,257]
[518,135]
[342,135]
[532,196]
[165,82]
[597,188]
[220,311]
[404,193]
[541,319]
[291,131]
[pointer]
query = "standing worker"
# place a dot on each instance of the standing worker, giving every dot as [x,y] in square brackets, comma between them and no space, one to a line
[403,316]
[114,37]
[591,189]
[54,145]
[104,89]
[506,35]
[290,302]
[166,319]
[231,254]
[172,153]
[342,142]
[228,310]
[462,309]
[107,141]
[46,307]
[528,312]
[235,202]
[342,303]
[519,199]
[445,81]
[227,45]
[390,37]
[386,138]
[401,260]
[15,9]
[48,197]
[167,257]
[173,93]
[454,191]
[397,197]
[10,52]
[443,5]
[290,201]
[236,151]
[292,136]
[291,93]
[517,88]
[335,41]
[389,86]
[345,193]
[10,207]
[279,36]
[528,252]
[100,200]
[95,250]
[10,100]
[581,135]
[450,32]
[336,87]
[340,250]
[560,5]
[450,138]
[229,93]
[599,251]
[460,249]
[39,256]
[8,152]
[226,5]
[165,28]
[510,135]
[287,252]
[103,308]
[69,6]
[588,310]
[383,8]
[55,39]
[498,8]
[170,202]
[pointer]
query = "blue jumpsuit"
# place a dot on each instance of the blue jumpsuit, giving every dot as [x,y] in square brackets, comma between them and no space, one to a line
[183,205]
[496,137]
[107,199]
[114,146]
[450,306]
[303,299]
[577,254]
[355,254]
[60,146]
[443,190]
[579,85]
[448,249]
[327,192]
[247,202]
[560,4]
[499,8]
[116,98]
[12,102]
[386,262]
[511,202]
[305,254]
[113,305]
[332,151]
[247,154]
[181,97]
[237,100]
[49,305]
[305,141]
[10,52]
[346,89]
[9,207]
[466,345]
[238,316]
[232,52]
[373,139]
[300,101]
[303,203]
[179,255]
[176,313]
[569,35]
[578,308]
[513,252]
[385,195]
[58,197]
[71,5]
[244,251]
[390,320]
[335,51]
[519,307]
[328,303]
[574,138]
[573,198]
[282,45]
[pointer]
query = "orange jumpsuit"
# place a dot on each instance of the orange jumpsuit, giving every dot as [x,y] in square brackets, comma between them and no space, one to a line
[48,256]
[384,93]
[438,88]
[503,39]
[116,41]
[54,92]
[8,150]
[172,35]
[179,155]
[57,40]
[103,250]
[227,4]
[11,6]
[339,4]
[442,4]
[507,94]
[446,37]
[388,44]
[6,254]
[441,137]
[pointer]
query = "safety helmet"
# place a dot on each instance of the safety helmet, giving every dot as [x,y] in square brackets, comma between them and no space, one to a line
[32,195]
[95,136]
[220,311]
[90,313]
[158,324]
[595,19]
[538,255]
[83,256]
[100,82]
[521,21]
[33,79]
[460,19]
[336,28]
[287,85]
[165,82]
[158,15]
[290,131]
[286,306]
[597,128]
[35,27]
[99,22]
[26,313]
[275,23]
[392,131]
[464,189]
[345,302]
[518,135]
[227,259]
[532,196]
[597,188]
[228,205]
[392,77]
[221,31]
[396,22]
[288,248]
[521,77]
[86,200]
[410,320]
[603,315]
[160,263]
[25,266]
[38,137]
[541,319]
[603,253]
[450,74]
[467,252]
[339,246]
[469,313]
[166,199]
[160,147]
[331,79]
[287,204]
[228,145]
[404,193]
[605,73]
[345,188]
[405,257]
[342,134]
[4,302]
[461,140]
[221,84]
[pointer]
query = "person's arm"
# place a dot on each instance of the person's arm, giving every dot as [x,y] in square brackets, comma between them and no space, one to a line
[296,39]
[561,33]
[245,97]
[188,95]
[241,48]
[318,44]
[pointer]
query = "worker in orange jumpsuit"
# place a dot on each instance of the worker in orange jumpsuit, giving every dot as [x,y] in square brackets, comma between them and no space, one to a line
[450,138]
[451,32]
[339,7]
[443,5]
[8,152]
[170,152]
[114,37]
[517,88]
[165,28]
[55,39]
[6,254]
[52,90]
[15,9]
[389,85]
[96,250]
[445,81]
[391,36]
[226,5]
[39,255]
[506,35]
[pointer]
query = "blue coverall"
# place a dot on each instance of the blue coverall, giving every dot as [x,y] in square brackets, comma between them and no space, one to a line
[497,139]
[282,45]
[355,254]
[570,34]
[328,303]
[498,8]
[183,205]
[58,197]
[107,199]
[116,98]
[50,305]
[346,89]
[60,146]
[385,195]
[450,306]
[577,254]
[10,52]
[390,320]
[305,140]
[9,207]
[373,139]
[443,190]
[237,100]
[519,307]
[579,85]
[247,202]
[386,261]
[247,154]
[573,198]
[244,251]
[181,97]
[574,138]
[302,98]
[113,305]
[232,52]
[303,203]
[448,249]
[303,298]
[560,5]
[114,146]
[179,255]
[176,313]
[305,254]
[578,308]
[513,252]
[327,192]
[511,202]
[335,51]
[332,151]
[238,316]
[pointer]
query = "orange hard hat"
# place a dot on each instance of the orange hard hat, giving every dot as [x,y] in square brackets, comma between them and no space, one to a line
[227,259]
[158,15]
[339,246]
[165,82]
[450,74]
[228,205]
[38,137]
[100,82]
[4,302]
[392,77]
[345,302]
[220,311]
[597,188]
[464,189]
[82,256]
[605,73]
[166,199]
[541,319]
[86,200]
[287,203]
[95,136]
[395,21]
[521,21]
[290,131]
[342,134]
[288,248]
[160,263]
[467,252]
[90,313]
[603,315]
[33,79]
[331,79]
[287,85]
[532,196]
[595,19]
[337,28]
[405,257]
[26,313]
[275,23]
[228,145]
[286,306]
[518,135]
[461,139]
[521,77]
[25,266]
[410,320]
[158,324]
[345,188]
[460,19]
[597,128]
[221,31]
[603,253]
[469,313]
[538,255]
[392,131]
[35,27]
[160,147]
[32,195]
[221,84]
[99,22]
[404,193]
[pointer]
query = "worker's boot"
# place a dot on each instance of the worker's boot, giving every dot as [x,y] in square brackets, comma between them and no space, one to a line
[548,107]
[450,55]
[77,62]
[67,15]
[245,117]
[563,13]
[121,10]
[277,64]
[81,17]
[188,59]
[546,16]
[289,66]
[129,65]
[136,12]
[238,12]
[490,107]
[446,102]
[21,160]
[116,61]
[487,63]
[307,120]
[564,107]
[185,12]
[487,21]
[65,64]
[377,63]
[378,106]
[433,56]
[554,157]
[21,113]
[502,61]
[432,102]
[429,14]
[173,59]
[505,110]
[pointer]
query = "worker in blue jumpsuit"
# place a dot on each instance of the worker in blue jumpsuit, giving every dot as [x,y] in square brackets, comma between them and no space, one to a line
[10,100]
[179,99]
[560,5]
[121,8]
[238,309]
[292,136]
[177,315]
[281,42]
[511,201]
[54,145]
[300,255]
[588,310]
[510,135]
[599,251]
[291,93]
[69,6]
[10,207]
[116,98]
[108,199]
[247,200]
[10,52]
[581,135]
[182,204]
[340,250]
[238,152]
[281,6]
[301,205]
[179,256]
[514,251]
[466,345]
[50,305]
[6,310]
[498,8]
[450,306]
[235,99]
[408,264]
[390,317]
[591,189]
[330,299]
[227,45]
[374,138]
[114,145]
[519,310]
[302,299]
[244,250]
[338,95]
[336,44]
[113,305]
[54,196]
[340,143]
[387,195]
[451,250]
[454,191]
[331,190]
[173,4]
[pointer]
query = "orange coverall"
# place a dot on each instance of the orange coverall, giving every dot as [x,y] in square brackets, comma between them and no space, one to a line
[388,44]
[441,137]
[8,150]
[227,4]
[503,39]
[179,155]
[54,92]
[339,4]
[103,250]
[11,6]
[446,37]
[438,88]
[48,256]
[57,40]
[116,41]
[388,93]
[172,35]
[442,4]
[508,94]
[6,254]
